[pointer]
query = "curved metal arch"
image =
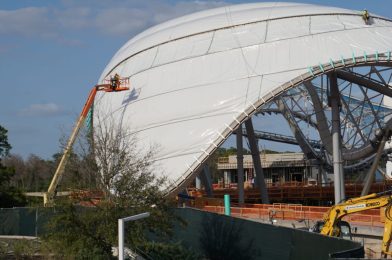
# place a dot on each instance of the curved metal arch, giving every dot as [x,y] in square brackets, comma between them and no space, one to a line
[322,126]
[372,84]
[366,150]
[382,59]
[325,135]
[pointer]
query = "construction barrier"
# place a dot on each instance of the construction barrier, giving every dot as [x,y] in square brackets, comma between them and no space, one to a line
[24,221]
[210,235]
[294,192]
[222,237]
[372,217]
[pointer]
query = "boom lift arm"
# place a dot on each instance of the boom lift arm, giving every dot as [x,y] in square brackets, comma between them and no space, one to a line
[371,201]
[115,84]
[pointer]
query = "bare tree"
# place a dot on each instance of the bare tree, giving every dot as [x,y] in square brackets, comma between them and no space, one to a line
[111,159]
[124,172]
[38,172]
[32,174]
[16,161]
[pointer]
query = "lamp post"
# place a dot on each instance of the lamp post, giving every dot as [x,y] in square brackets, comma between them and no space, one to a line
[121,223]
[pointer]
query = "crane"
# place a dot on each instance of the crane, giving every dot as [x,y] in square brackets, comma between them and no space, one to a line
[114,84]
[331,225]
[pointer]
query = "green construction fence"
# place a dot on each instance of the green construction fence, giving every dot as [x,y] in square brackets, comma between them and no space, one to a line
[213,236]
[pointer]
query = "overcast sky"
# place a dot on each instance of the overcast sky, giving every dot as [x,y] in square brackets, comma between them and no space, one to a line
[52,52]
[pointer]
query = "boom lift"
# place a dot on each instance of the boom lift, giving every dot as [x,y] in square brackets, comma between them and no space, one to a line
[332,220]
[115,84]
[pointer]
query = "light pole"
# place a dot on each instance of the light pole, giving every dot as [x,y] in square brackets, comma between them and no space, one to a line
[121,223]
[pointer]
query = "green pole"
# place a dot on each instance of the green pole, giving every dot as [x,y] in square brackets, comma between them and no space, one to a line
[227,204]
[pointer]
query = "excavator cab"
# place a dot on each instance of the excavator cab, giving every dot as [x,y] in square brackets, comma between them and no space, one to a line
[342,229]
[335,227]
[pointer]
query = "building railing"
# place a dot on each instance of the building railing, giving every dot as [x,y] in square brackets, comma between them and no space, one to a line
[264,164]
[297,212]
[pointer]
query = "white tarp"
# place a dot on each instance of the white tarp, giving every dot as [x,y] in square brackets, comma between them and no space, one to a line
[192,77]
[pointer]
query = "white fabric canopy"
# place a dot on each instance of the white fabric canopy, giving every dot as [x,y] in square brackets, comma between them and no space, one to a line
[193,79]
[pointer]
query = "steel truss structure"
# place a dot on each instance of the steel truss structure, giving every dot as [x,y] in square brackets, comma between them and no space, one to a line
[364,118]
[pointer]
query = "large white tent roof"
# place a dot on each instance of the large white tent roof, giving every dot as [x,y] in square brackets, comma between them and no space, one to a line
[195,78]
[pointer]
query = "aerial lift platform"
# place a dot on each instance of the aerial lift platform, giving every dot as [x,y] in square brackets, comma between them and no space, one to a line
[114,84]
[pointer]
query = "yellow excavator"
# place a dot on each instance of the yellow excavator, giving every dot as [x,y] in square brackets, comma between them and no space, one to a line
[332,225]
[114,84]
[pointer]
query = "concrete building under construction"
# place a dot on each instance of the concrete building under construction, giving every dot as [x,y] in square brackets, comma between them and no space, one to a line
[279,169]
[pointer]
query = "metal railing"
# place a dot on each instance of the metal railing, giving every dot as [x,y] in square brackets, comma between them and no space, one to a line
[121,223]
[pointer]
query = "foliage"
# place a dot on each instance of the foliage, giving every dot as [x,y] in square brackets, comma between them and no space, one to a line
[76,234]
[212,161]
[225,152]
[10,196]
[18,248]
[162,251]
[34,173]
[24,248]
[81,172]
[267,151]
[80,232]
[124,173]
[4,145]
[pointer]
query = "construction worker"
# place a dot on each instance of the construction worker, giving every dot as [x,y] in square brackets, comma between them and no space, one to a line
[115,82]
[365,16]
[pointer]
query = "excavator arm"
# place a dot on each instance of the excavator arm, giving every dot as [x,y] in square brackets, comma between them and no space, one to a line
[116,84]
[387,236]
[371,201]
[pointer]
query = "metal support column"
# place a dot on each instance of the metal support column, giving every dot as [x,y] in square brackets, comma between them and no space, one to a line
[371,174]
[334,100]
[260,182]
[198,182]
[324,177]
[240,166]
[206,180]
